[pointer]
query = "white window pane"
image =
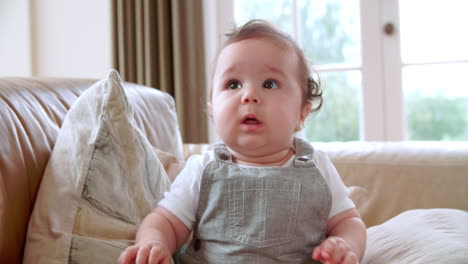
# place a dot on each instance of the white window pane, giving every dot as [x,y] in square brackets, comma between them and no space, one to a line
[433,30]
[278,12]
[436,101]
[339,118]
[330,31]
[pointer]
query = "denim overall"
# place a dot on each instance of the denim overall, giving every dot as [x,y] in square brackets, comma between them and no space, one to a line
[259,215]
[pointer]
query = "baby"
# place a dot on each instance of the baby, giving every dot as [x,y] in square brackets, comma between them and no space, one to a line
[261,195]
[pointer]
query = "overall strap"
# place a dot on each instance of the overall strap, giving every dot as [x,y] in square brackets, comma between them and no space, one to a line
[304,153]
[222,153]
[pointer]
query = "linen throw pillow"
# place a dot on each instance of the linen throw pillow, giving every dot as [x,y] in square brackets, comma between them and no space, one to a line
[102,178]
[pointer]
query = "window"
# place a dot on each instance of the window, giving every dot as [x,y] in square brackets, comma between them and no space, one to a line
[391,70]
[434,62]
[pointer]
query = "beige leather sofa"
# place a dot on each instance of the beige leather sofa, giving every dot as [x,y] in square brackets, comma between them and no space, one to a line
[386,178]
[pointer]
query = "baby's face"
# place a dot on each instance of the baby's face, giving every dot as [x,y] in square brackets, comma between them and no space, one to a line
[257,100]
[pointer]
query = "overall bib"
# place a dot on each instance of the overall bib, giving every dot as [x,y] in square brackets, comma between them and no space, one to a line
[259,215]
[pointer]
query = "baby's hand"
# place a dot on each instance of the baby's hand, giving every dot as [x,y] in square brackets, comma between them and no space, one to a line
[335,250]
[147,252]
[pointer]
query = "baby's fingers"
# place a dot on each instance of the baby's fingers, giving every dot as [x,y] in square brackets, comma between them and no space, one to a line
[350,258]
[338,250]
[158,256]
[143,254]
[319,253]
[128,255]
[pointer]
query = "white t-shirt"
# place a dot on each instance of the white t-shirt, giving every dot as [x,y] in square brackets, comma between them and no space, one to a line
[182,199]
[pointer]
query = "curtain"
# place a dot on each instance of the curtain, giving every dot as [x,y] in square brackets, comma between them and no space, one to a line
[159,43]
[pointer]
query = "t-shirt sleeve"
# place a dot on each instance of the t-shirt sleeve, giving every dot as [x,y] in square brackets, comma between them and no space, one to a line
[339,192]
[182,199]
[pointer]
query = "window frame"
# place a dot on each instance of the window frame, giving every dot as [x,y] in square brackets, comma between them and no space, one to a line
[382,93]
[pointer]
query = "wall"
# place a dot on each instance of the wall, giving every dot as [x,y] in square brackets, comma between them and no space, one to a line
[55,38]
[15,50]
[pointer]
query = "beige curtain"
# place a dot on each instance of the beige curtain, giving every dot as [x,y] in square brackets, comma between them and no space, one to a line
[159,43]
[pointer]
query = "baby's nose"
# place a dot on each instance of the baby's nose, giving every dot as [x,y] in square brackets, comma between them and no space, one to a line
[250,97]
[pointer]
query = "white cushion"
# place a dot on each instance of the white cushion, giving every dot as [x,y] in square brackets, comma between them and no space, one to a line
[102,178]
[420,236]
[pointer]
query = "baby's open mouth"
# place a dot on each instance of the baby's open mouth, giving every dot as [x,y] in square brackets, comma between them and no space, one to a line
[251,120]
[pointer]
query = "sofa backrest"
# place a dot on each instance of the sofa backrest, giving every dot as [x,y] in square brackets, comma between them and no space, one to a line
[399,176]
[31,113]
[388,178]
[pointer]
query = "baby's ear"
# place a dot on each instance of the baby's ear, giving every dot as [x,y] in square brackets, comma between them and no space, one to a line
[305,111]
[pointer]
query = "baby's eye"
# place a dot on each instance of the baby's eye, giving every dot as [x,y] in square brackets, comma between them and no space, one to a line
[270,84]
[234,85]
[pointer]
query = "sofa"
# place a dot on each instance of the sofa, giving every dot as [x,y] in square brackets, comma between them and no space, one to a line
[412,196]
